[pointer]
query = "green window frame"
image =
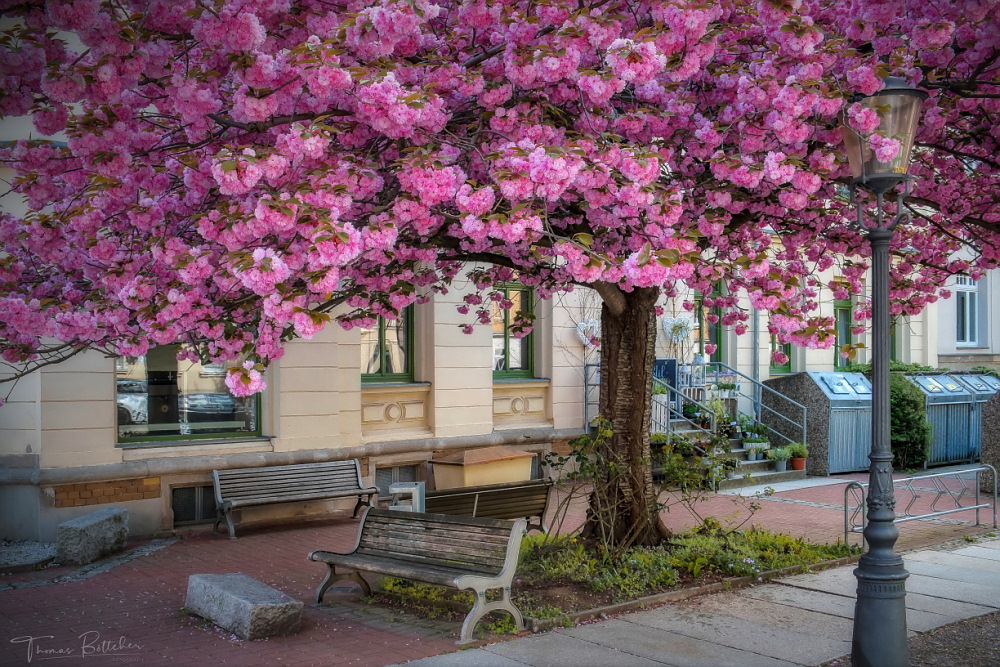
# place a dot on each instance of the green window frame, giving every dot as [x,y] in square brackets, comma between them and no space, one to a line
[786,367]
[842,323]
[708,332]
[160,399]
[513,357]
[387,350]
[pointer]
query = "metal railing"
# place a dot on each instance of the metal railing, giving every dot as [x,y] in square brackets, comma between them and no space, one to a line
[910,487]
[777,423]
[668,409]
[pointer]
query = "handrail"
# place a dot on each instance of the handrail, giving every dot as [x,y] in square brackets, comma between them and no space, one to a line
[857,491]
[672,412]
[758,404]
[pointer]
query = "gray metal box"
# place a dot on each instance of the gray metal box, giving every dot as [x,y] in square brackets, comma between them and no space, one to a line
[950,412]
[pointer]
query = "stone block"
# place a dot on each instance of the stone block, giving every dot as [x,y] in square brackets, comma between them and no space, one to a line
[991,441]
[86,538]
[244,606]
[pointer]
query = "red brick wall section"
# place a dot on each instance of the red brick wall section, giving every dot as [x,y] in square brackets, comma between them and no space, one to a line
[98,493]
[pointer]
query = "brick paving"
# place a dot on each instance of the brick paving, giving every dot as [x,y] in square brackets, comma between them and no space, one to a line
[135,608]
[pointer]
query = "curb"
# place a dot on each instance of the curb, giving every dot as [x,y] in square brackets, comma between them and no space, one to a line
[26,567]
[726,585]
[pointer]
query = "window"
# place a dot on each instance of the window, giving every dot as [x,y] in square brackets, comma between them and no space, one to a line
[708,332]
[162,398]
[842,323]
[967,311]
[786,367]
[512,356]
[387,350]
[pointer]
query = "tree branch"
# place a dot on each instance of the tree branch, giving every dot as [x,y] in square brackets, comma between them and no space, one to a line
[611,295]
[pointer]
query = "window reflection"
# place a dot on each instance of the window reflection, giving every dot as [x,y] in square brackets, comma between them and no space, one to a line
[161,397]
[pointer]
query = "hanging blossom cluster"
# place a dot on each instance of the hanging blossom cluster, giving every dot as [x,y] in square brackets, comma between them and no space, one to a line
[226,176]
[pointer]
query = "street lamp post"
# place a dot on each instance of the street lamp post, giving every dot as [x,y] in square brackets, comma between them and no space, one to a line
[880,613]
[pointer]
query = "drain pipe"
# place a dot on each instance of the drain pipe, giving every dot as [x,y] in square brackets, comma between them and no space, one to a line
[756,362]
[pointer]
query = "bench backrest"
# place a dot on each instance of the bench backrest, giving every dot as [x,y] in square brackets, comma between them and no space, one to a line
[512,500]
[461,543]
[306,480]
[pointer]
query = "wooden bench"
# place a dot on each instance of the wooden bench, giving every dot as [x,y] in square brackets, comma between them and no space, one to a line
[454,551]
[246,487]
[513,500]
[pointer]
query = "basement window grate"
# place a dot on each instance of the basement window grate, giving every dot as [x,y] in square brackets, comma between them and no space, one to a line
[192,504]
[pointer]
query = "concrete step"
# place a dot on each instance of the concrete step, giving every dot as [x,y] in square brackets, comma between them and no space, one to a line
[757,478]
[754,467]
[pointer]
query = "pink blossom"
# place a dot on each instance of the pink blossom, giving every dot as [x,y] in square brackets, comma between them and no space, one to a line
[246,380]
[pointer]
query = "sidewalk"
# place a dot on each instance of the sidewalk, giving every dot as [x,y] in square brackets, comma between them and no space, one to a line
[135,602]
[799,620]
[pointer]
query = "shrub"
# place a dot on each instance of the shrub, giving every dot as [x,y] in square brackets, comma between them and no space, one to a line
[986,369]
[911,434]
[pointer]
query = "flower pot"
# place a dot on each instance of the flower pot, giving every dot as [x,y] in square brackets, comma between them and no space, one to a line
[779,466]
[798,463]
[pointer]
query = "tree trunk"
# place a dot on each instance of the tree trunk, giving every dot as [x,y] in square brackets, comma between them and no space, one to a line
[623,510]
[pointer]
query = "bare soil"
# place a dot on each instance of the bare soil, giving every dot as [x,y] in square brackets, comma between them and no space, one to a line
[974,642]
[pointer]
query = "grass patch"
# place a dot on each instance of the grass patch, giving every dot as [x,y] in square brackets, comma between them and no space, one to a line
[561,575]
[747,553]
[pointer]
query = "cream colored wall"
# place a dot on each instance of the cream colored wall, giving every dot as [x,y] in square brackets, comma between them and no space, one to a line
[460,369]
[917,338]
[20,419]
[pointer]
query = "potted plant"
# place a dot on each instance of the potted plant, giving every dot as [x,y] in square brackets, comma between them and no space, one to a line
[780,456]
[690,411]
[730,467]
[727,386]
[799,451]
[752,453]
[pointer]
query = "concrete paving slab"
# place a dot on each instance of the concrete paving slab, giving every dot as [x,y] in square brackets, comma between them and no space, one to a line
[468,658]
[923,613]
[555,649]
[801,598]
[781,643]
[954,590]
[992,543]
[777,615]
[671,648]
[953,572]
[840,581]
[944,607]
[979,551]
[958,560]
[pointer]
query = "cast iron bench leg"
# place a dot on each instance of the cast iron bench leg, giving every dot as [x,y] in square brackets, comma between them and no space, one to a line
[481,607]
[333,576]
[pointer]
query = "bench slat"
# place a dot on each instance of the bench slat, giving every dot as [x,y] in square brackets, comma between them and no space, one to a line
[441,551]
[265,473]
[397,567]
[489,507]
[471,528]
[305,484]
[285,498]
[289,481]
[265,485]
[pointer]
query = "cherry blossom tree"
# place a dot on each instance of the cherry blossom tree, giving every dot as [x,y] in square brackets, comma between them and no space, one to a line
[237,173]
